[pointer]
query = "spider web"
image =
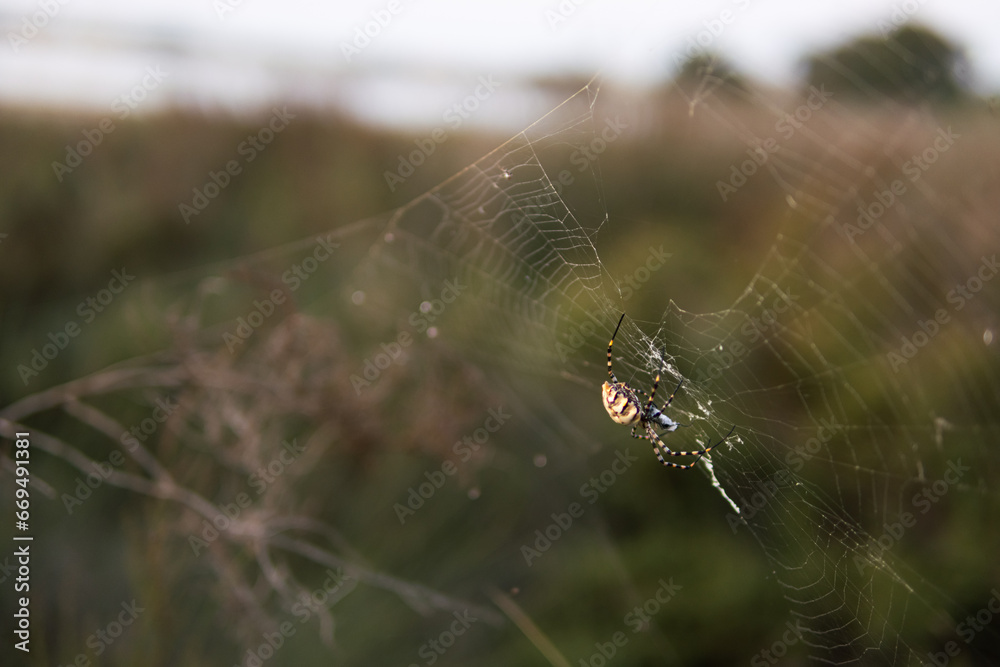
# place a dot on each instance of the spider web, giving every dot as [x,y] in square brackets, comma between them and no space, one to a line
[841,416]
[856,404]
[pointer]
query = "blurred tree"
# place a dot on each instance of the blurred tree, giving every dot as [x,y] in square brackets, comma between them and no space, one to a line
[710,70]
[911,64]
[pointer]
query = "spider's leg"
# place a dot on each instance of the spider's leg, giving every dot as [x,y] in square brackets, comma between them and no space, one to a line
[652,395]
[701,452]
[611,373]
[657,444]
[698,454]
[639,437]
[671,399]
[708,449]
[673,425]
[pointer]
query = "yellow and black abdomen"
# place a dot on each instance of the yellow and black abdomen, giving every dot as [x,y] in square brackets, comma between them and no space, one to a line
[621,402]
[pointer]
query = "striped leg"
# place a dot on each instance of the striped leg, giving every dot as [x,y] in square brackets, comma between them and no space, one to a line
[671,399]
[614,380]
[658,446]
[652,394]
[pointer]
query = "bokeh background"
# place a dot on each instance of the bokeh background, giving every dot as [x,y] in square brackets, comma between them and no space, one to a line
[248,195]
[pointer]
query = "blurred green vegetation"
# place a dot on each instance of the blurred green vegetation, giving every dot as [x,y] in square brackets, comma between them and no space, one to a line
[912,65]
[120,209]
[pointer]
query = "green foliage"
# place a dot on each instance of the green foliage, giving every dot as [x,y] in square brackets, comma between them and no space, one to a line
[910,65]
[291,379]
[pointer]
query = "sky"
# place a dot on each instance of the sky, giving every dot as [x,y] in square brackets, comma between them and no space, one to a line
[393,60]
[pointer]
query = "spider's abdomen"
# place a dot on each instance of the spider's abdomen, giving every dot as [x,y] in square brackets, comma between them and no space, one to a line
[620,402]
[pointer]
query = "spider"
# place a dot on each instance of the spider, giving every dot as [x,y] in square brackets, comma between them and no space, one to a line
[623,406]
